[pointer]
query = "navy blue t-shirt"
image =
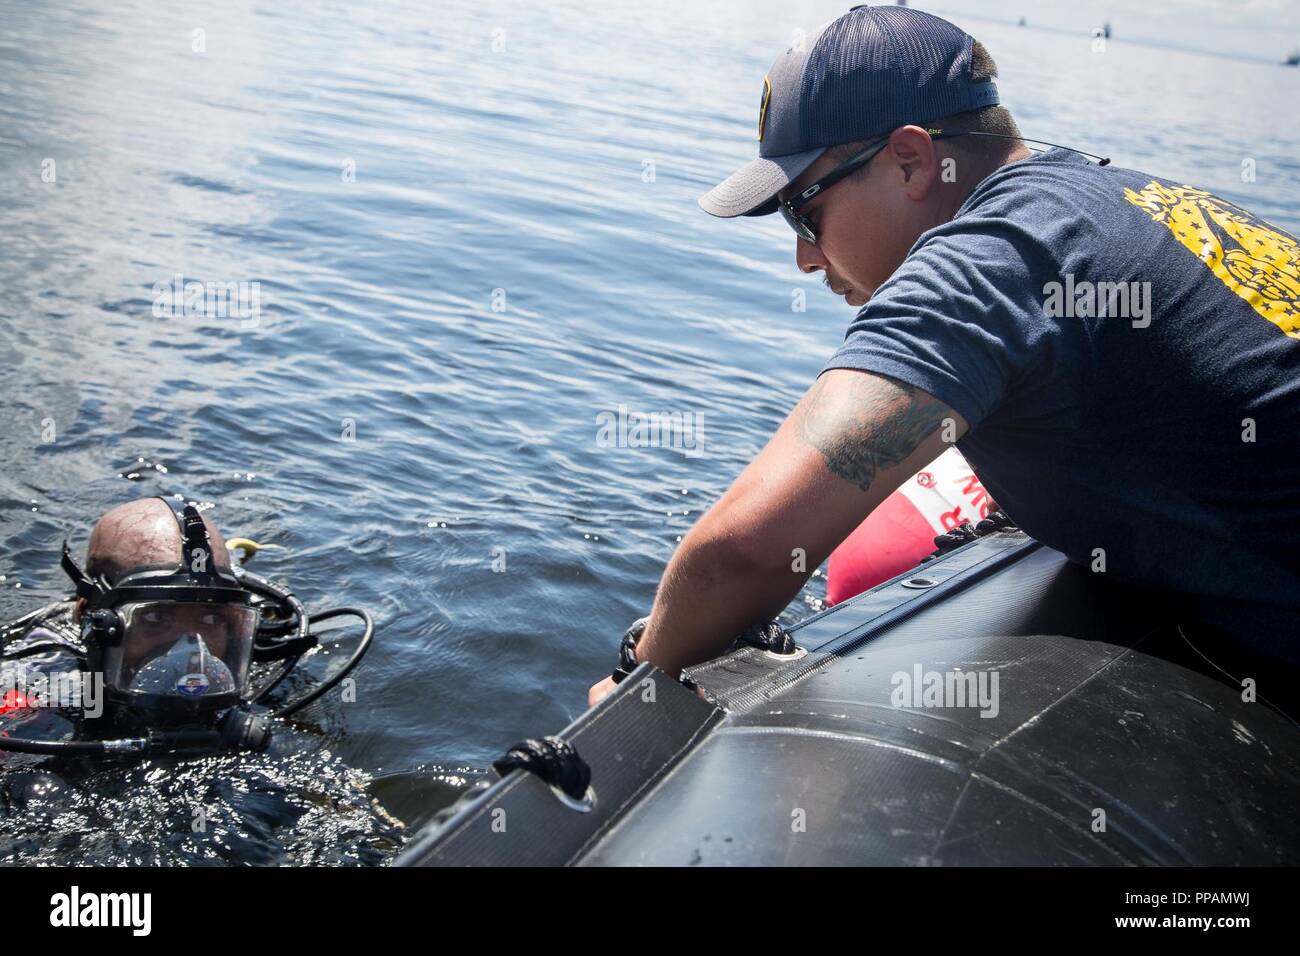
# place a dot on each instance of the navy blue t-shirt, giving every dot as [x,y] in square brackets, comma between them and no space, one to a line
[1126,351]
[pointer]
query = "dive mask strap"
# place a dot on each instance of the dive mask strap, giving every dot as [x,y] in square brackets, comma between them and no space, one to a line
[196,545]
[192,526]
[87,587]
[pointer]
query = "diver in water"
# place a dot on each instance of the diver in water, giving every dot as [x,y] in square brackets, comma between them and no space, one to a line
[165,631]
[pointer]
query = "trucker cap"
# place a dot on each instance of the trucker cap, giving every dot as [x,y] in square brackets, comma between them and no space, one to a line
[871,71]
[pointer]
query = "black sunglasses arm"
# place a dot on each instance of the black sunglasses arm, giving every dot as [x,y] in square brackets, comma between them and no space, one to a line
[852,164]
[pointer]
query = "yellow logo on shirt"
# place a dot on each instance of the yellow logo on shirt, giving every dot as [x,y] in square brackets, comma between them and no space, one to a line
[1253,259]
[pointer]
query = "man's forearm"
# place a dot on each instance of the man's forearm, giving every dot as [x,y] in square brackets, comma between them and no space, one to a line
[849,442]
[711,592]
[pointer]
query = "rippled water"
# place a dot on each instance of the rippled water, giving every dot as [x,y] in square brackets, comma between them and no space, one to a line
[474,230]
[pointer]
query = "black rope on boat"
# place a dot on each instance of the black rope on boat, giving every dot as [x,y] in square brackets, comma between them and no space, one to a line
[553,760]
[627,650]
[766,637]
[966,532]
[770,636]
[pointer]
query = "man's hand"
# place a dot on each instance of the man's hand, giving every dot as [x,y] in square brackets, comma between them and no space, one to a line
[850,442]
[599,690]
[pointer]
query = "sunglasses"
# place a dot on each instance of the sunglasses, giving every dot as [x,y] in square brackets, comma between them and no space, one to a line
[804,227]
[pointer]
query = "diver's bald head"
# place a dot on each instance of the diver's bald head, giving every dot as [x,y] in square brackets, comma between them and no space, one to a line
[141,533]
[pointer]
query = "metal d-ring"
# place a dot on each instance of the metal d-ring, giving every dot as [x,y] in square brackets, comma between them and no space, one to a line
[919,583]
[585,805]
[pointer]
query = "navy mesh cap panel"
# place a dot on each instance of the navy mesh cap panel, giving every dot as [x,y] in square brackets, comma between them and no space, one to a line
[877,68]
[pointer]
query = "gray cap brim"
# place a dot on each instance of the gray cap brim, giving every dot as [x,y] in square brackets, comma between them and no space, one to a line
[751,190]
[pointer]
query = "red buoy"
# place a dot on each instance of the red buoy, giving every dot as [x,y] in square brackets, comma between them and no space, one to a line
[899,533]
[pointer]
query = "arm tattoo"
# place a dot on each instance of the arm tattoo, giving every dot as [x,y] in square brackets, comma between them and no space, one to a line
[873,424]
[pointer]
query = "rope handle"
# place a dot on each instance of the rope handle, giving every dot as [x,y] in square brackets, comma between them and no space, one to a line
[553,759]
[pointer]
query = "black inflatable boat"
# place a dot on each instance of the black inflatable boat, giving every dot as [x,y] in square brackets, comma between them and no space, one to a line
[997,705]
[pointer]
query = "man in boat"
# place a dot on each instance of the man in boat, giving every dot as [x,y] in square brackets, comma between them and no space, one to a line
[1116,355]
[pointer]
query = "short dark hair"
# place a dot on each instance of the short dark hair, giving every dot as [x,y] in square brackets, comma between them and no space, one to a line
[988,119]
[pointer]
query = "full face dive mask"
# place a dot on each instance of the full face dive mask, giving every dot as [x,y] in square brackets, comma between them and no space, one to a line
[173,643]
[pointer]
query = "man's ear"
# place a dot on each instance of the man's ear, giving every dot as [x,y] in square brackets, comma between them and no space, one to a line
[914,154]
